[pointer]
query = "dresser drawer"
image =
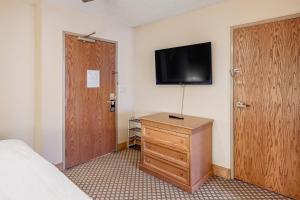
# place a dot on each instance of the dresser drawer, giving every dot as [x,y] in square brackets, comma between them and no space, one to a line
[164,168]
[177,157]
[172,139]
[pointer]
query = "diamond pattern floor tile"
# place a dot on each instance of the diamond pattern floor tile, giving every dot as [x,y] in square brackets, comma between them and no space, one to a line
[116,177]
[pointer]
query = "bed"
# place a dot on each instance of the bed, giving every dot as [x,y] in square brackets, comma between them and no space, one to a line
[25,175]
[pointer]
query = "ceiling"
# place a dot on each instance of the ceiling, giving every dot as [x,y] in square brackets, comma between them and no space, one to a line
[137,12]
[29,1]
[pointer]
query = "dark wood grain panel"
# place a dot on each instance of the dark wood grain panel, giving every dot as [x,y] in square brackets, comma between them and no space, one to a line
[109,58]
[90,126]
[267,134]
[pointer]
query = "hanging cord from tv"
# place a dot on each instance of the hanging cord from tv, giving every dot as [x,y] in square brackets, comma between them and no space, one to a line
[182,99]
[181,109]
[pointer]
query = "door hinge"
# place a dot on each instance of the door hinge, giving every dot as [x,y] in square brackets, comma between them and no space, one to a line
[234,71]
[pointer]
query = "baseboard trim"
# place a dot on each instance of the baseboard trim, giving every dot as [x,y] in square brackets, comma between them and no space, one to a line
[60,166]
[221,171]
[122,146]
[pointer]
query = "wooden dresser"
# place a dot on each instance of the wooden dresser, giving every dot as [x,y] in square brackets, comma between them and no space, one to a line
[177,151]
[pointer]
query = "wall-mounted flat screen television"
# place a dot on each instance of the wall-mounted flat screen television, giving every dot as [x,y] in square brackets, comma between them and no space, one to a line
[186,65]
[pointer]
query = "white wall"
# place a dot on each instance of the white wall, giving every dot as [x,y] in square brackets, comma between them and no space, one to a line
[55,20]
[213,24]
[17,70]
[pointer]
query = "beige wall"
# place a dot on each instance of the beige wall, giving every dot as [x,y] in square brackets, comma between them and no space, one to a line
[17,70]
[55,20]
[32,76]
[208,24]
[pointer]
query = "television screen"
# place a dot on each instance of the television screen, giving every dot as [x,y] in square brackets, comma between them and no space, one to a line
[184,65]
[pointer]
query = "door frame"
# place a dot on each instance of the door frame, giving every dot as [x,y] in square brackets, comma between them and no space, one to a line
[232,28]
[64,100]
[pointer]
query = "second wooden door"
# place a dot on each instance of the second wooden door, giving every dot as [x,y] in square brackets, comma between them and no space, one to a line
[90,87]
[267,105]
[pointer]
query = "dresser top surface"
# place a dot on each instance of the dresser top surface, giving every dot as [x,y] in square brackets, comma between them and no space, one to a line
[189,122]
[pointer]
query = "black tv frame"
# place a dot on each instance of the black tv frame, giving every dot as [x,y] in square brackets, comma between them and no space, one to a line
[208,82]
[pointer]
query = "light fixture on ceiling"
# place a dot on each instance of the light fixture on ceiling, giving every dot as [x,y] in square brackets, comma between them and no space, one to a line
[85,1]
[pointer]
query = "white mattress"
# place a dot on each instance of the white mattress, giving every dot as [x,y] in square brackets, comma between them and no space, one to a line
[25,175]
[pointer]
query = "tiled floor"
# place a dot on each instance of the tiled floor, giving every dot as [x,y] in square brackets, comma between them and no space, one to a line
[116,176]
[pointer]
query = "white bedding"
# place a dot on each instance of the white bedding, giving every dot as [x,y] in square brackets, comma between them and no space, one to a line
[25,175]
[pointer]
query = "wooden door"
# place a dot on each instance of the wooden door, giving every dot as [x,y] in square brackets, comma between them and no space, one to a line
[267,130]
[90,124]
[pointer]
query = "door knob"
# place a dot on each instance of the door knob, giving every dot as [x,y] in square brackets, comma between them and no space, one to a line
[111,101]
[240,104]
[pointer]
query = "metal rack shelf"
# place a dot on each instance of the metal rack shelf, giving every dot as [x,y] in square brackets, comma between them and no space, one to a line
[134,133]
[136,129]
[135,120]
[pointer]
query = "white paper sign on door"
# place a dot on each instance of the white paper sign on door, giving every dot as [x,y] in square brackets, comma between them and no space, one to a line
[93,78]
